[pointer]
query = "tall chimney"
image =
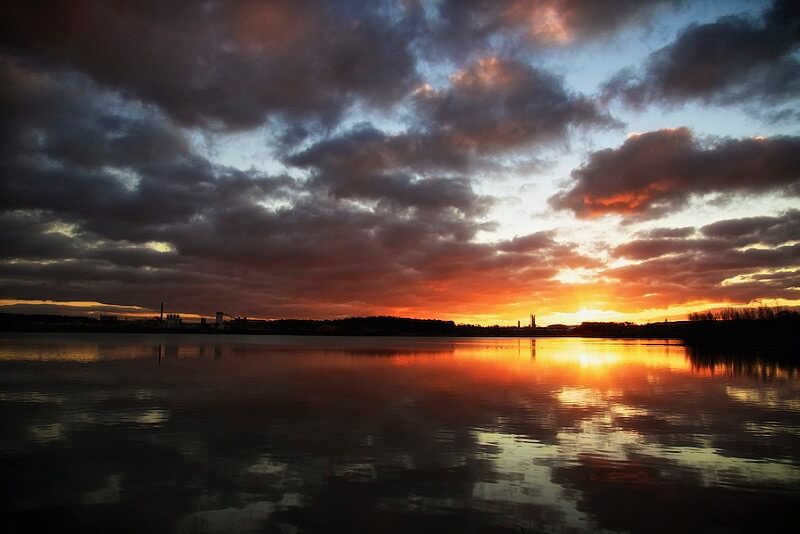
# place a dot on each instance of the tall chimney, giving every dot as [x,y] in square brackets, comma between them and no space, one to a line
[161,316]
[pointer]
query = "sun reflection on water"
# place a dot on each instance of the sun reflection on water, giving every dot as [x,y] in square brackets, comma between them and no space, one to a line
[549,434]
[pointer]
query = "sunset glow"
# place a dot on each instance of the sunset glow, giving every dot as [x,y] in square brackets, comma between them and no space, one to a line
[471,161]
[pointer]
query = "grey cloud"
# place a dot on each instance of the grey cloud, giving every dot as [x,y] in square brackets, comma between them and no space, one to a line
[275,245]
[225,63]
[367,164]
[492,107]
[657,172]
[698,275]
[733,59]
[755,257]
[720,236]
[497,104]
[29,235]
[642,249]
[462,25]
[764,230]
[685,231]
[529,242]
[365,149]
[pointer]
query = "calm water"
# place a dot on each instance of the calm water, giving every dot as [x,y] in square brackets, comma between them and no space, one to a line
[148,434]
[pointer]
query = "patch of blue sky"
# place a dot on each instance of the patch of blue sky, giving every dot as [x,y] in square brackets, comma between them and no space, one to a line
[250,149]
[588,65]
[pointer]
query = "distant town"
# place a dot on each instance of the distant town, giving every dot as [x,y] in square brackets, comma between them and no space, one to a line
[736,327]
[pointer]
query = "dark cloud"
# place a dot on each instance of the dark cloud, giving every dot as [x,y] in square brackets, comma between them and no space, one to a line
[367,164]
[228,64]
[764,230]
[684,231]
[642,249]
[29,235]
[462,25]
[495,105]
[530,242]
[733,59]
[366,150]
[703,272]
[491,108]
[657,172]
[725,235]
[131,169]
[109,202]
[735,260]
[105,196]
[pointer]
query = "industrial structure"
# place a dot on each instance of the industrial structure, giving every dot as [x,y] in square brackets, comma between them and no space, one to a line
[173,320]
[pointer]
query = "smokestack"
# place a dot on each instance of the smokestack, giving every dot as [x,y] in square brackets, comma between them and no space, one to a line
[161,316]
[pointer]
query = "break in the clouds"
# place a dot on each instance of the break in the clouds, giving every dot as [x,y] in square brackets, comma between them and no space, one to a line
[393,146]
[737,58]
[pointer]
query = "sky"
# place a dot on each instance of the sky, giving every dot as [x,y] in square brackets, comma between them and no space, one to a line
[472,160]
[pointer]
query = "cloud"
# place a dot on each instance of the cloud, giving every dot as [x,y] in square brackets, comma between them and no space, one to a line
[494,104]
[132,169]
[29,235]
[228,64]
[491,108]
[463,25]
[657,172]
[370,165]
[108,202]
[734,260]
[733,59]
[764,230]
[685,231]
[104,196]
[704,274]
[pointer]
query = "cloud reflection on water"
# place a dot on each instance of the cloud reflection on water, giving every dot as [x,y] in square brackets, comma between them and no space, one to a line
[375,434]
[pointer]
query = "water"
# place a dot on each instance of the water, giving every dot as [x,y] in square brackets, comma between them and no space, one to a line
[135,433]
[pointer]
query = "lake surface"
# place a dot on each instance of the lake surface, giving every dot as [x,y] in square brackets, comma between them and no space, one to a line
[180,433]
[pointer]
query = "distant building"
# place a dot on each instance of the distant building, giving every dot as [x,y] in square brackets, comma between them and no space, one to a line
[108,318]
[173,320]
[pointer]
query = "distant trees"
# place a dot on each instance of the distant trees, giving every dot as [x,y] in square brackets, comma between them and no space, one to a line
[743,329]
[759,313]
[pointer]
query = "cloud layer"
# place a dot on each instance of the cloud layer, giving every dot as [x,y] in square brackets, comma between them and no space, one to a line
[112,204]
[396,135]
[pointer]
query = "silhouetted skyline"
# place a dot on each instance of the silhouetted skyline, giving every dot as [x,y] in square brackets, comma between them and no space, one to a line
[473,161]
